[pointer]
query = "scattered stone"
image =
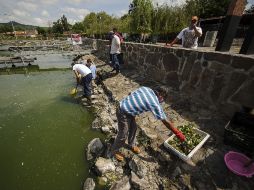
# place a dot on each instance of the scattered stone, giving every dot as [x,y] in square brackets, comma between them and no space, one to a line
[137,166]
[89,184]
[102,181]
[138,183]
[105,129]
[104,165]
[94,149]
[96,124]
[123,184]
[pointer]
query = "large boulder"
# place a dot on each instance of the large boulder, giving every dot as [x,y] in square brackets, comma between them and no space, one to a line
[94,149]
[104,165]
[138,167]
[89,184]
[138,183]
[122,184]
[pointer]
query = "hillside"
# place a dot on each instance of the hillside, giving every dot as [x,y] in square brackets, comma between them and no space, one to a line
[7,27]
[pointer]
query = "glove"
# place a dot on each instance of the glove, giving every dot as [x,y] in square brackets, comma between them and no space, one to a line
[178,134]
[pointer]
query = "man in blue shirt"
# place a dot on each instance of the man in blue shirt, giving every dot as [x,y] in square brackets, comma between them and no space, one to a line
[141,100]
[92,67]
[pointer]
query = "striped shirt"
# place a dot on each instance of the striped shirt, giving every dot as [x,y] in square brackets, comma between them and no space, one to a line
[142,100]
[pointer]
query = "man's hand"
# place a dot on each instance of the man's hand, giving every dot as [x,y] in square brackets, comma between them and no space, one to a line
[180,136]
[170,126]
[168,45]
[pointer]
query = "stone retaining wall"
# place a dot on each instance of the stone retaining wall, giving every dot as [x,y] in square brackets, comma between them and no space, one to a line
[221,80]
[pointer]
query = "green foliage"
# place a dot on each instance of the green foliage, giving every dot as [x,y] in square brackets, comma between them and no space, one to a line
[141,16]
[42,31]
[78,27]
[99,23]
[61,25]
[207,8]
[7,27]
[166,19]
[250,10]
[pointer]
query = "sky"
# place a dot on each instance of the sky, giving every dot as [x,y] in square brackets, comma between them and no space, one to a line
[44,12]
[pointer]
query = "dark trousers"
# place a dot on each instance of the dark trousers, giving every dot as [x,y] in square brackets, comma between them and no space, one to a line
[116,62]
[86,82]
[127,127]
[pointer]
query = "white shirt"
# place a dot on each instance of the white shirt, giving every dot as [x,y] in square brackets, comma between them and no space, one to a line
[81,69]
[189,38]
[93,70]
[115,45]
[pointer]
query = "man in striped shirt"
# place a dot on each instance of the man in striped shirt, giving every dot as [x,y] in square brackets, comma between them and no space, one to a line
[141,100]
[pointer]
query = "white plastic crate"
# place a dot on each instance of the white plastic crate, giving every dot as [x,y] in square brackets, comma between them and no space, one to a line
[203,135]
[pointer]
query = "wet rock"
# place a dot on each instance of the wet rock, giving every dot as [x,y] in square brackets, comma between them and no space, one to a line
[104,165]
[119,170]
[102,181]
[96,124]
[105,129]
[164,156]
[123,184]
[138,183]
[94,149]
[184,181]
[138,166]
[89,184]
[176,172]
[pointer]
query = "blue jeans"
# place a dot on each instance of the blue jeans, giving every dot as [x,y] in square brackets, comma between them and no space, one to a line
[116,62]
[86,82]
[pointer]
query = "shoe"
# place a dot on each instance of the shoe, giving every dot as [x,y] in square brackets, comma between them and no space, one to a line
[119,157]
[135,149]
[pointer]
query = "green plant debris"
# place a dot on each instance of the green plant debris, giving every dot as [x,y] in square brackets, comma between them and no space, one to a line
[192,139]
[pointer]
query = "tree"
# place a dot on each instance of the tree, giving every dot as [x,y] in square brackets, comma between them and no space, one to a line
[57,27]
[207,8]
[141,16]
[65,23]
[250,10]
[41,31]
[78,27]
[61,25]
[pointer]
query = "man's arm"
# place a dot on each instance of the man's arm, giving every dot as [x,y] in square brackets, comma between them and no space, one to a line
[198,33]
[171,127]
[77,76]
[178,37]
[173,42]
[118,42]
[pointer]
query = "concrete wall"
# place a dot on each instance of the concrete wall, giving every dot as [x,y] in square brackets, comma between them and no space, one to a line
[220,80]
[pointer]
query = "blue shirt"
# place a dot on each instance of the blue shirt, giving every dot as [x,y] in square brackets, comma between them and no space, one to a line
[93,70]
[142,100]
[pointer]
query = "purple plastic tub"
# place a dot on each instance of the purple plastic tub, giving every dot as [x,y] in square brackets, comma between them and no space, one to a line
[236,161]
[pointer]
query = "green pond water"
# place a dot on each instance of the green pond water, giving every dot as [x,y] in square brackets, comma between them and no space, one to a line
[43,132]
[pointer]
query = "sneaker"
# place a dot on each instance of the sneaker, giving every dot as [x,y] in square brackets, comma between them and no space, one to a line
[135,149]
[119,157]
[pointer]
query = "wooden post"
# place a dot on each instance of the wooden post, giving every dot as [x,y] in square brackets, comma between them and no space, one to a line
[230,25]
[248,43]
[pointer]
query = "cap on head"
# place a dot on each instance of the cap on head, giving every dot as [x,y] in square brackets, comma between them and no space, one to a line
[194,18]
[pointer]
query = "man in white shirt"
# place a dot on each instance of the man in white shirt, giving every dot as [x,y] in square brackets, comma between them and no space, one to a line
[189,35]
[115,51]
[84,76]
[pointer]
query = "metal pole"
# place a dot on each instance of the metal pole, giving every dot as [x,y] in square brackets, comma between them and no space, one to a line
[13,29]
[100,26]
